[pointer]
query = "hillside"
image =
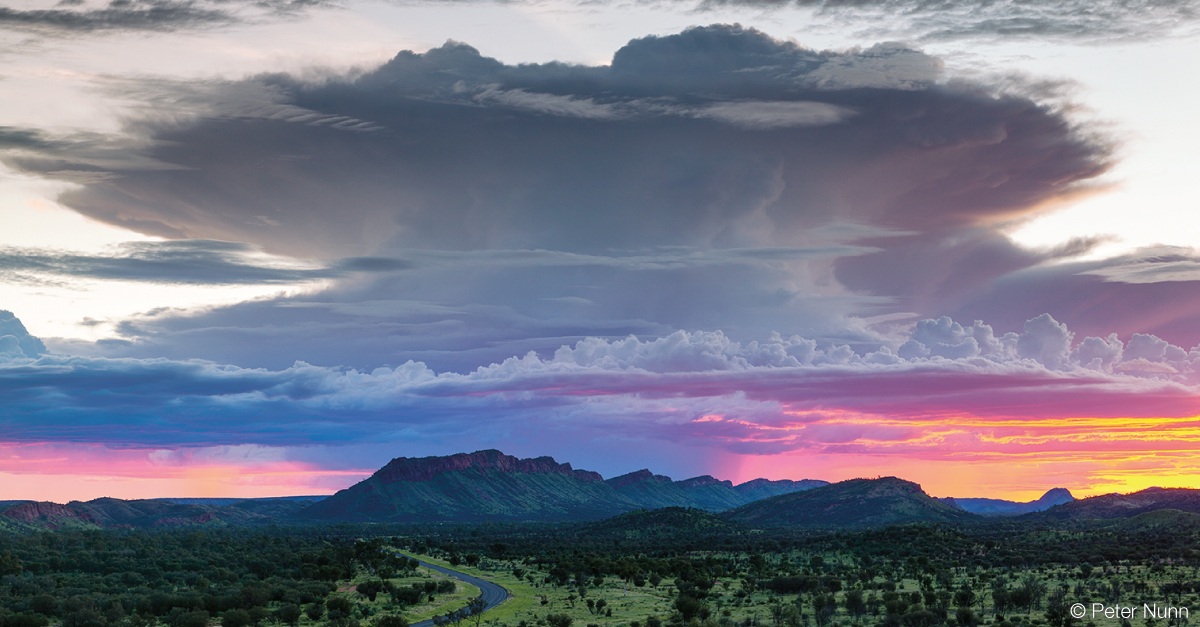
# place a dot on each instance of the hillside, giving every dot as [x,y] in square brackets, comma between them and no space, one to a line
[999,507]
[485,485]
[1124,505]
[109,512]
[705,492]
[665,521]
[489,485]
[853,503]
[758,489]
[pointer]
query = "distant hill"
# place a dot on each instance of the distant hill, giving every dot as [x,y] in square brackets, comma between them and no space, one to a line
[466,487]
[1124,505]
[668,520]
[221,502]
[653,491]
[489,485]
[758,489]
[1170,518]
[853,503]
[998,507]
[109,512]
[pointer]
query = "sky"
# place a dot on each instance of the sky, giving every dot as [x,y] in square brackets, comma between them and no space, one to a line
[262,248]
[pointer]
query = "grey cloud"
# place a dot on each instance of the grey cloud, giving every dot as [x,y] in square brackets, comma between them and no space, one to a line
[1095,21]
[1145,291]
[571,167]
[1159,264]
[656,388]
[813,182]
[769,115]
[186,262]
[811,186]
[456,311]
[147,15]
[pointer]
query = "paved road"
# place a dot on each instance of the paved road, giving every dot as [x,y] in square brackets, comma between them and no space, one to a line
[493,595]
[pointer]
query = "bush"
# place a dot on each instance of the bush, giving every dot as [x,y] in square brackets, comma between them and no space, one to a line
[289,614]
[25,620]
[340,604]
[391,620]
[235,618]
[370,589]
[558,620]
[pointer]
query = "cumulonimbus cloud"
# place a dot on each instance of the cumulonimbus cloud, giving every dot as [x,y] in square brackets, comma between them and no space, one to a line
[815,187]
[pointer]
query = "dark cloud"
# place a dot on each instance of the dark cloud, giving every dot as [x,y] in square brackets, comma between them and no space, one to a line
[182,262]
[716,137]
[146,15]
[458,310]
[701,388]
[713,179]
[1075,20]
[1150,290]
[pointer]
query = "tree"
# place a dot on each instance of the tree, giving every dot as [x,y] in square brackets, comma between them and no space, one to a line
[195,618]
[339,604]
[688,606]
[235,618]
[289,614]
[1032,591]
[10,564]
[824,607]
[475,608]
[558,620]
[1058,612]
[855,606]
[370,589]
[315,610]
[44,604]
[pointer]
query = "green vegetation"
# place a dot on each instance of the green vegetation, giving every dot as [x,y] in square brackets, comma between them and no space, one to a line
[673,567]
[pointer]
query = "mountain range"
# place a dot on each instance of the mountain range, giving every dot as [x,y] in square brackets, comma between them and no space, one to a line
[998,507]
[487,486]
[145,513]
[853,503]
[1109,506]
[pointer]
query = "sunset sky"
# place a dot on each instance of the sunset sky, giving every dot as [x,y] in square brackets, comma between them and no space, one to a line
[260,248]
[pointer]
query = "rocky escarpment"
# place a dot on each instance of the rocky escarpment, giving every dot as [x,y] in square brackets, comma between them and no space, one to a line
[703,481]
[491,486]
[426,468]
[48,515]
[636,477]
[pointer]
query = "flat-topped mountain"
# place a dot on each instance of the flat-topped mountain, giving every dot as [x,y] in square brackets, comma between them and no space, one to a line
[999,507]
[489,485]
[485,485]
[853,503]
[1124,505]
[427,468]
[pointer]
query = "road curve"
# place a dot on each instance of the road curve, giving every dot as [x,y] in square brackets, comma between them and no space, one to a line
[492,594]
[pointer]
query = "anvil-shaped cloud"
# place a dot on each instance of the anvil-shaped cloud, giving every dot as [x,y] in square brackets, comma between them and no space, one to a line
[718,242]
